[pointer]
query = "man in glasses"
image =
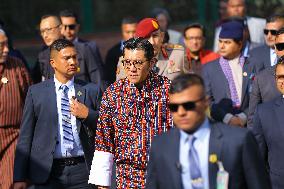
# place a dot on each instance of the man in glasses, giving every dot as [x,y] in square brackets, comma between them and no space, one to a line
[264,86]
[50,30]
[170,57]
[265,56]
[190,155]
[228,79]
[268,130]
[195,54]
[70,29]
[132,111]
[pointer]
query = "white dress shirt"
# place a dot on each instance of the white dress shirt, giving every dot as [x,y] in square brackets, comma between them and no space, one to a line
[60,151]
[273,57]
[201,145]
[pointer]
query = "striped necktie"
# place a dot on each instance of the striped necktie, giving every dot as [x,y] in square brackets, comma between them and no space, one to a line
[195,173]
[68,138]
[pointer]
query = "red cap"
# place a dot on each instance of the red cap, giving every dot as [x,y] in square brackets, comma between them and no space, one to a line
[146,26]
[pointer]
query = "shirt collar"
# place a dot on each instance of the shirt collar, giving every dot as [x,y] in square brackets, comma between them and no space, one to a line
[245,51]
[200,134]
[58,84]
[121,45]
[75,40]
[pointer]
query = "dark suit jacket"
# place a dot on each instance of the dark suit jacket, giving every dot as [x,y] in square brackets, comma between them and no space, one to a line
[39,130]
[89,69]
[217,87]
[235,147]
[260,56]
[111,61]
[263,90]
[95,51]
[268,129]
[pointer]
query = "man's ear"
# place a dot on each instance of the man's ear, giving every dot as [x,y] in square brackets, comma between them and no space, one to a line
[78,28]
[52,63]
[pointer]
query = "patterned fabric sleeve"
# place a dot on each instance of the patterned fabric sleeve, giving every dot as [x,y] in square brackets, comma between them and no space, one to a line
[101,168]
[105,128]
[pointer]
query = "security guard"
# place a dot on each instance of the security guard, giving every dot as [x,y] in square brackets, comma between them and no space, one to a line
[170,56]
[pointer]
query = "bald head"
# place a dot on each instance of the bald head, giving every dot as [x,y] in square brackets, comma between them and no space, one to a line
[50,26]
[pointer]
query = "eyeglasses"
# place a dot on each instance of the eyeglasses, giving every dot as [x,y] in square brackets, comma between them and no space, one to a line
[188,106]
[136,63]
[71,26]
[279,46]
[194,38]
[48,30]
[272,32]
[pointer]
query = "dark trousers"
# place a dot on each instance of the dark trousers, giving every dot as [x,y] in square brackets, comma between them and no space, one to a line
[67,177]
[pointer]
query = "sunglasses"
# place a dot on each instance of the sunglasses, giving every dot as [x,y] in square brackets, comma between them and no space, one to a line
[272,32]
[71,26]
[279,46]
[188,106]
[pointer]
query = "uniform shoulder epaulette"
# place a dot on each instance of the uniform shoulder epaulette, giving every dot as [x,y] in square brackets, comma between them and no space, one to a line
[174,46]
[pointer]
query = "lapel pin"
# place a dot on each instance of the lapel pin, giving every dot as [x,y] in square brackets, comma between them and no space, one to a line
[213,158]
[79,93]
[4,80]
[245,74]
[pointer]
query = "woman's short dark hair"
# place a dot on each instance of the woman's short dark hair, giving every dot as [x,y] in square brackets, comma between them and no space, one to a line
[140,43]
[184,81]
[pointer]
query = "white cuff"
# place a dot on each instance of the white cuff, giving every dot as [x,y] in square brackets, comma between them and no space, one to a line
[243,117]
[227,118]
[101,169]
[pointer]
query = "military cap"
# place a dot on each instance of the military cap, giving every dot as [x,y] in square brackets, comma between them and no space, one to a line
[146,26]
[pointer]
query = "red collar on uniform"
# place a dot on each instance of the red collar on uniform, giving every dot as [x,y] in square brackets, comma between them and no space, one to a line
[204,56]
[164,52]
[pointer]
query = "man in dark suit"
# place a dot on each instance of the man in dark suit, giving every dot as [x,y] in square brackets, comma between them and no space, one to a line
[265,56]
[264,85]
[268,130]
[191,155]
[228,79]
[128,28]
[88,69]
[56,142]
[70,29]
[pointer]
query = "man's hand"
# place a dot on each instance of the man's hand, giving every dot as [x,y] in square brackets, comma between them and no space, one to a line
[236,121]
[103,187]
[78,109]
[20,185]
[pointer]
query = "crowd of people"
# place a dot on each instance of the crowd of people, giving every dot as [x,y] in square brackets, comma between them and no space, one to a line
[160,112]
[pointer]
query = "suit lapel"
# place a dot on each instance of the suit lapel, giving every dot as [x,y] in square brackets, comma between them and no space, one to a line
[246,77]
[80,94]
[51,102]
[174,159]
[279,110]
[215,146]
[267,57]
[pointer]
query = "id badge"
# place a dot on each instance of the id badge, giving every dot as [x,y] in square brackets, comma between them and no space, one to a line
[222,177]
